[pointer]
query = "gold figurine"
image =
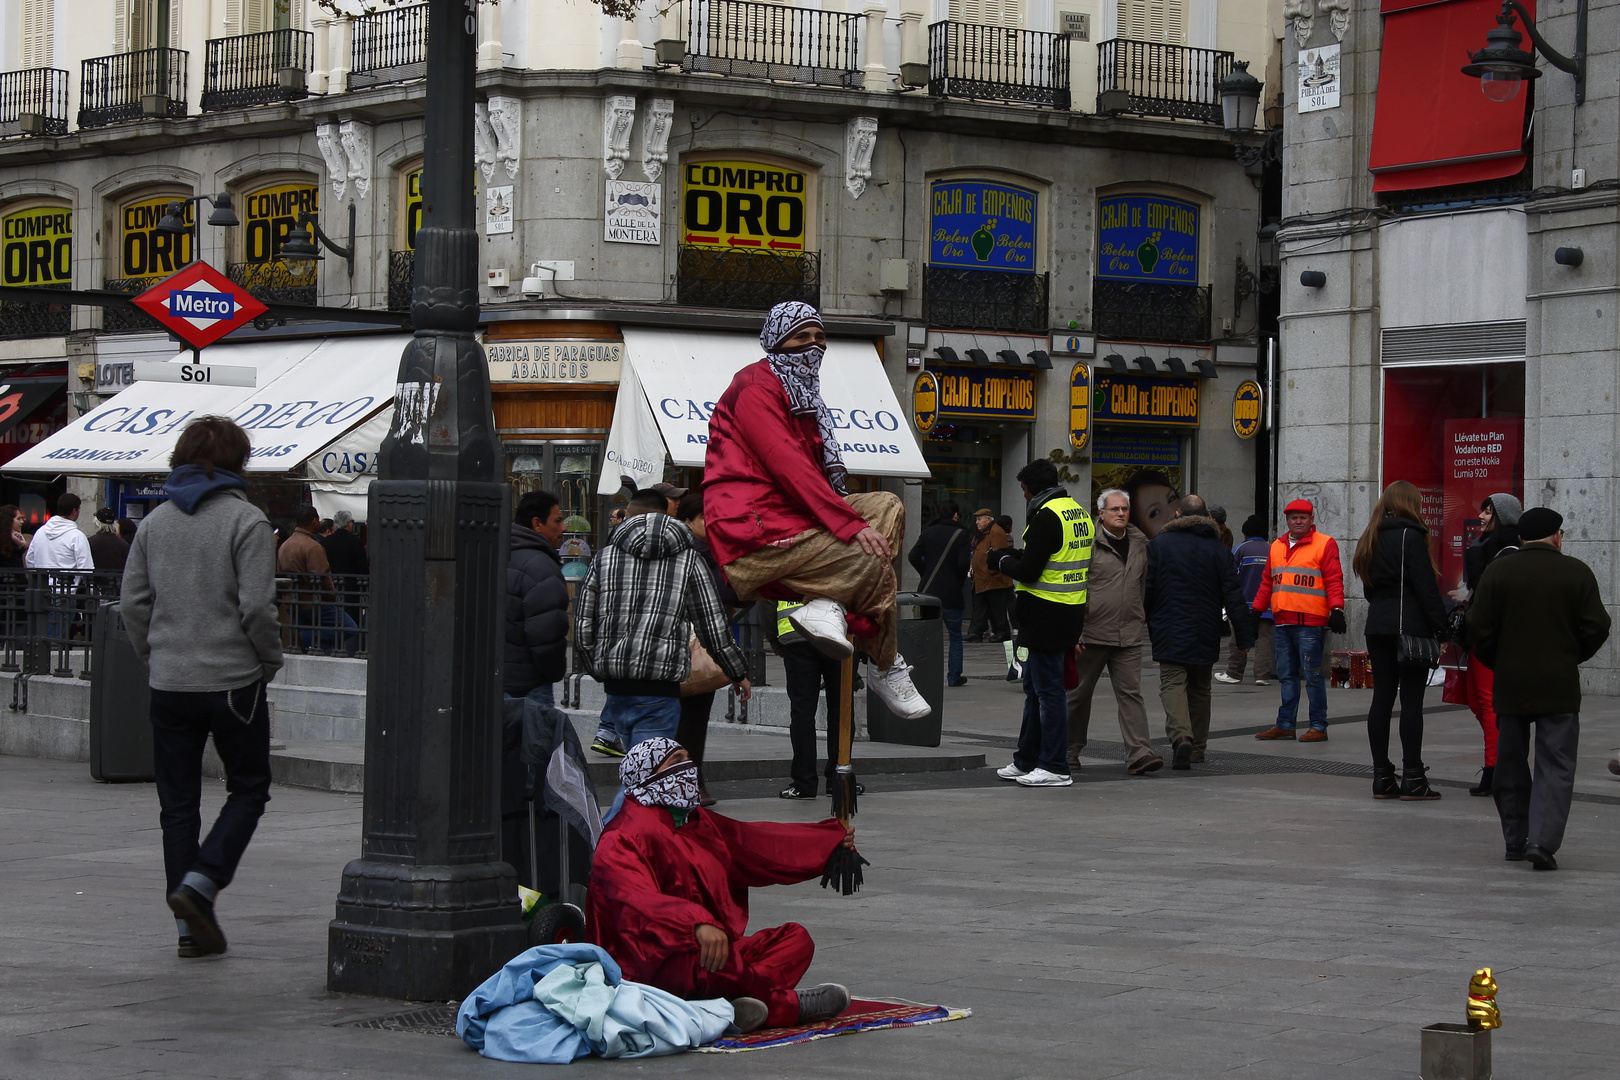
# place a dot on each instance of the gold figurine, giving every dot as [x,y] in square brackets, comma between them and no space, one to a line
[1483,1014]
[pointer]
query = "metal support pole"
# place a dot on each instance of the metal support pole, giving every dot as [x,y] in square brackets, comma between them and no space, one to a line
[429,910]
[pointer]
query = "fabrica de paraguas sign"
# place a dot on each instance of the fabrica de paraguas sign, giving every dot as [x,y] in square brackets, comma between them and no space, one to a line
[1147,238]
[982,226]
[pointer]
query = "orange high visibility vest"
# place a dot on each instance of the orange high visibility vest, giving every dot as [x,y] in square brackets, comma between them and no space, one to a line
[1297,583]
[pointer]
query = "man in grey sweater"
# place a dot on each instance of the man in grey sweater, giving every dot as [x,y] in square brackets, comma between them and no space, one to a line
[199,599]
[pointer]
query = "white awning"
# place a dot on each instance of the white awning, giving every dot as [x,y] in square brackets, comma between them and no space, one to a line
[310,393]
[684,372]
[340,474]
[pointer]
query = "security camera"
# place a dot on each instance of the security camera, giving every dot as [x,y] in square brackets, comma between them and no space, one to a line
[534,287]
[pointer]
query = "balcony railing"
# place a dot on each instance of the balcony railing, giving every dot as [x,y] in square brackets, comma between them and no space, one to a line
[26,318]
[257,69]
[401,279]
[1148,311]
[128,318]
[274,282]
[768,41]
[132,85]
[741,278]
[1153,79]
[959,298]
[389,46]
[997,63]
[33,102]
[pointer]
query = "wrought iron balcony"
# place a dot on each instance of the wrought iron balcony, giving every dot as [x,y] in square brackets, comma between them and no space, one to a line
[401,279]
[959,298]
[1149,311]
[274,282]
[745,278]
[33,102]
[389,46]
[24,318]
[1149,78]
[768,41]
[257,69]
[997,63]
[132,86]
[128,318]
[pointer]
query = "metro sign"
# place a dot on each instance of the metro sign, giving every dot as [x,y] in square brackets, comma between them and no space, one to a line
[199,305]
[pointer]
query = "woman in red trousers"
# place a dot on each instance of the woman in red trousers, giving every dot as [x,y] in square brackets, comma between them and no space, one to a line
[1498,537]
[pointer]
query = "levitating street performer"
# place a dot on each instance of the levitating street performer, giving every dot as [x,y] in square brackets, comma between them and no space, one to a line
[669,888]
[780,517]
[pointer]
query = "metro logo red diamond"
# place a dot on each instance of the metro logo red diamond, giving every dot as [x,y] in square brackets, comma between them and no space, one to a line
[199,305]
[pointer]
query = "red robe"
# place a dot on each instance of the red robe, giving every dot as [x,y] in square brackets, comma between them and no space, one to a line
[653,884]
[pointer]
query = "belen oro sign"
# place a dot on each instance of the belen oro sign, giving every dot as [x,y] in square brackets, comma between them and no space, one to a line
[572,363]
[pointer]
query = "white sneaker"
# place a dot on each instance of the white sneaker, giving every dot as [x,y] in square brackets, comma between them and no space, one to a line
[1010,772]
[1042,778]
[1221,676]
[1262,682]
[894,689]
[822,621]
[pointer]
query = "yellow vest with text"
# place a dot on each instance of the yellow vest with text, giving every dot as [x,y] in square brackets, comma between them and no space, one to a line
[1298,585]
[1064,579]
[785,633]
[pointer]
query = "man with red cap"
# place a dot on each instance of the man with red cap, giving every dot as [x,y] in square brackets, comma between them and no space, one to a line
[1303,588]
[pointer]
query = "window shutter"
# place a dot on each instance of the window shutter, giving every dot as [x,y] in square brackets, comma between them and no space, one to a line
[121,20]
[233,17]
[175,17]
[1008,13]
[1162,21]
[38,17]
[254,16]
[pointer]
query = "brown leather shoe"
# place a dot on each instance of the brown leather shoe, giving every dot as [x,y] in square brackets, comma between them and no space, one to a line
[1275,733]
[1151,763]
[1314,735]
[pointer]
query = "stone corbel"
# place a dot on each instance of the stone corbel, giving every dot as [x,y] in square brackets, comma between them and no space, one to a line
[483,142]
[506,122]
[860,139]
[355,138]
[618,117]
[1298,12]
[655,137]
[337,168]
[1338,13]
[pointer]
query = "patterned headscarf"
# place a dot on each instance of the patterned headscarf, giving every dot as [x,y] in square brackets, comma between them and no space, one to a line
[676,787]
[800,372]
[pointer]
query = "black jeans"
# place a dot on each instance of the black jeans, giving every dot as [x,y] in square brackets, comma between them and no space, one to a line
[807,672]
[181,724]
[693,730]
[990,612]
[1390,677]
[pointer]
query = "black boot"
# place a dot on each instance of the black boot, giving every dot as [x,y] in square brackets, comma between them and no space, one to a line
[1385,786]
[1486,775]
[1415,785]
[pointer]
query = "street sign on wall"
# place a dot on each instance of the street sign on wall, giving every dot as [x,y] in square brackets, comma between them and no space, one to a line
[199,305]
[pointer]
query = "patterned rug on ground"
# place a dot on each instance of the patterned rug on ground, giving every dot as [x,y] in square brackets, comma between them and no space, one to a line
[861,1016]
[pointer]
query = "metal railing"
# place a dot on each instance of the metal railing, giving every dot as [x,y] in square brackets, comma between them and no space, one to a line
[132,86]
[769,41]
[1149,311]
[24,318]
[389,46]
[965,299]
[257,69]
[39,94]
[998,63]
[324,614]
[746,278]
[274,282]
[401,279]
[132,317]
[1150,78]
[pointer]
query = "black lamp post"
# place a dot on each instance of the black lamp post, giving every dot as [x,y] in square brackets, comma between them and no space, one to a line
[174,215]
[300,246]
[429,910]
[1502,67]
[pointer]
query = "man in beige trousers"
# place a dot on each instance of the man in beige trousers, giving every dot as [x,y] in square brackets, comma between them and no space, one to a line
[1114,631]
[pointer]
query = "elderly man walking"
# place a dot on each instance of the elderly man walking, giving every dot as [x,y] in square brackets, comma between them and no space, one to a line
[1534,619]
[1304,590]
[1112,638]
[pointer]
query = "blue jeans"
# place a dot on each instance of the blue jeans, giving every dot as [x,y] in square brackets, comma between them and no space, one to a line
[326,640]
[1044,736]
[637,719]
[1299,652]
[953,626]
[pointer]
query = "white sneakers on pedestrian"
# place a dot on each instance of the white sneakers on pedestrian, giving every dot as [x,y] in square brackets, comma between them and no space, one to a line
[1010,772]
[1042,778]
[822,622]
[894,689]
[1221,676]
[1262,682]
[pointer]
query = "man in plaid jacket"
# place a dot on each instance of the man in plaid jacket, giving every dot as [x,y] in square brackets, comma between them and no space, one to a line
[647,592]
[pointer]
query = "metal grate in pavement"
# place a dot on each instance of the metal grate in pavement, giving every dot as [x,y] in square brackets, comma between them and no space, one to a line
[431,1020]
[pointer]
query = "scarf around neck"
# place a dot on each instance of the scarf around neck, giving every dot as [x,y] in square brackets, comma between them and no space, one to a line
[800,372]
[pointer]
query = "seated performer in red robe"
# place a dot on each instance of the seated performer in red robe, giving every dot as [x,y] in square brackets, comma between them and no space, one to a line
[669,895]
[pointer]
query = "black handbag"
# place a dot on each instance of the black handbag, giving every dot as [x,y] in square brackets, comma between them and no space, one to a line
[1413,649]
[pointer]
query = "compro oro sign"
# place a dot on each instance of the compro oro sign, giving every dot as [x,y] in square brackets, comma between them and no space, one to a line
[37,246]
[743,204]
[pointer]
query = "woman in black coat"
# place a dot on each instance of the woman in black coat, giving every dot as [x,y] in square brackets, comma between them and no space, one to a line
[1395,564]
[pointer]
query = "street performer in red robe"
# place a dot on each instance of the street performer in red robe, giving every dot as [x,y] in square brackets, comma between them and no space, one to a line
[779,516]
[669,888]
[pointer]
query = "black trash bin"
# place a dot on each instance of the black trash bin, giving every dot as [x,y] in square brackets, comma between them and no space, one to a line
[922,643]
[120,704]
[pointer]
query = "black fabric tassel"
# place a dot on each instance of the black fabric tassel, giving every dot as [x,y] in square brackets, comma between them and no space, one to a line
[843,793]
[843,871]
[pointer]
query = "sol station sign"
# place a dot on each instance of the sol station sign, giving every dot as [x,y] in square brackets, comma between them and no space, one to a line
[199,305]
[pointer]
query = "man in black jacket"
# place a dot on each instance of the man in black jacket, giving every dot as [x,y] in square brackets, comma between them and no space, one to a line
[344,550]
[536,601]
[1190,579]
[1050,573]
[1534,620]
[942,556]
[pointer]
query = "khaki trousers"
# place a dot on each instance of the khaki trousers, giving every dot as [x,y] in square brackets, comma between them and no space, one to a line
[1184,692]
[1124,666]
[819,564]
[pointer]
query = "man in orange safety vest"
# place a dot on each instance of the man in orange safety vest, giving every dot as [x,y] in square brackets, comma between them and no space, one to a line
[1304,589]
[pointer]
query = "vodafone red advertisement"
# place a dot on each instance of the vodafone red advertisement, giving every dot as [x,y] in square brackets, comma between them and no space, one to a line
[1482,458]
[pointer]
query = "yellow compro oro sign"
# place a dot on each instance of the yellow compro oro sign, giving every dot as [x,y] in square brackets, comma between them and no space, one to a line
[411,209]
[270,213]
[1247,409]
[36,246]
[1080,407]
[925,402]
[744,204]
[144,251]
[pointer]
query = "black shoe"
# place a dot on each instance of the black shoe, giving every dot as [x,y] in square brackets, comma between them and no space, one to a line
[189,947]
[1538,859]
[1486,775]
[794,791]
[1415,785]
[198,911]
[1181,754]
[1385,786]
[1514,854]
[958,682]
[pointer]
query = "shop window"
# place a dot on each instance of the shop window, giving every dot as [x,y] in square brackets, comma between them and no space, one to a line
[269,213]
[747,235]
[1146,284]
[36,251]
[984,269]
